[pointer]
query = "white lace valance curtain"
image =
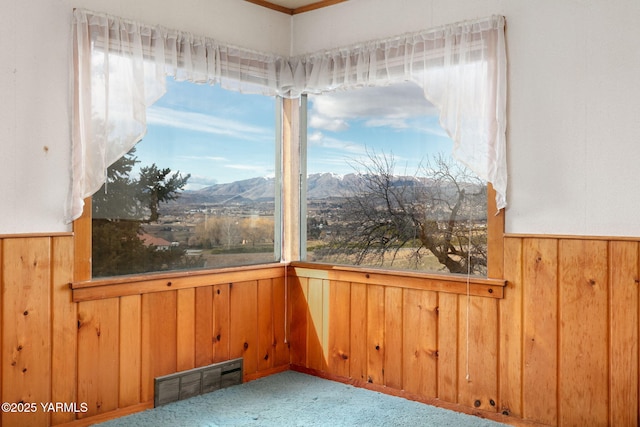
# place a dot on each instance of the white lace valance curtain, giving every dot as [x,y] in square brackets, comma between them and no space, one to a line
[121,66]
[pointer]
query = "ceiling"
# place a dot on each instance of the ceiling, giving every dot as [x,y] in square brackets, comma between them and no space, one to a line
[293,7]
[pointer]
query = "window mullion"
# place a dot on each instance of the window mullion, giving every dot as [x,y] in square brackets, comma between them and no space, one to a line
[290,180]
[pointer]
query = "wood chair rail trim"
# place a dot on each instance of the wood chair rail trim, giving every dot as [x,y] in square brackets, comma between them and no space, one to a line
[456,284]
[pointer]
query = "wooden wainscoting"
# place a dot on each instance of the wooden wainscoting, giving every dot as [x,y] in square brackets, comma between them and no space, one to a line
[38,328]
[556,345]
[560,347]
[104,351]
[403,333]
[569,331]
[141,337]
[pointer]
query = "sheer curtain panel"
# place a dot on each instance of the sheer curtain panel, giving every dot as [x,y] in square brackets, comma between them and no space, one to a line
[462,70]
[120,69]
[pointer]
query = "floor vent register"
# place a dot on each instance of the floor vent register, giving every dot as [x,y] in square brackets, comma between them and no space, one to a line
[185,384]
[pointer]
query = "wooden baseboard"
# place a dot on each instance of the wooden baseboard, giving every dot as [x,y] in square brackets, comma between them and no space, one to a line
[265,373]
[83,422]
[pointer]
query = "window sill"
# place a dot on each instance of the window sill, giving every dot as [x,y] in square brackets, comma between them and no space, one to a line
[113,287]
[448,283]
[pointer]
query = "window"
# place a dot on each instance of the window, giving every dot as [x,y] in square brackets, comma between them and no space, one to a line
[383,189]
[121,69]
[198,191]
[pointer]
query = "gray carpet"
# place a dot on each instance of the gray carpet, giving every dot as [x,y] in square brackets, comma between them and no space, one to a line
[294,399]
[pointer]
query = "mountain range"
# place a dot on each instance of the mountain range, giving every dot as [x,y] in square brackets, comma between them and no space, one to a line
[319,186]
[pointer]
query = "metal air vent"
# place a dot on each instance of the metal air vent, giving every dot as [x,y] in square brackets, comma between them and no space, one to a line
[185,384]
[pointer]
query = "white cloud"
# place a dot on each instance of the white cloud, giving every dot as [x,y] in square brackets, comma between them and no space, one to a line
[333,124]
[392,122]
[315,136]
[199,122]
[243,167]
[435,130]
[317,139]
[207,158]
[204,180]
[196,182]
[390,106]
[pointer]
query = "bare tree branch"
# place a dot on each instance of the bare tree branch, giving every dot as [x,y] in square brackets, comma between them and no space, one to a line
[441,210]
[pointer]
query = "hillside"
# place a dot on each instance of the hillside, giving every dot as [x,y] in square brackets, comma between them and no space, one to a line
[319,186]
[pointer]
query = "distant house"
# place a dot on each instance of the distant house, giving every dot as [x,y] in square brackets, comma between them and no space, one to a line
[159,243]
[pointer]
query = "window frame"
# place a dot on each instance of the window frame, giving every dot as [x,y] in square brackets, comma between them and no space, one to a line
[495,220]
[292,142]
[292,151]
[82,228]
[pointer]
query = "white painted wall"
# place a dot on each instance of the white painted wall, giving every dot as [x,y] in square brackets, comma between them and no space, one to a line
[35,41]
[574,100]
[574,95]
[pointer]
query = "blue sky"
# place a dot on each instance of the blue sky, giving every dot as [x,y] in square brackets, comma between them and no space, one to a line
[220,136]
[345,126]
[215,135]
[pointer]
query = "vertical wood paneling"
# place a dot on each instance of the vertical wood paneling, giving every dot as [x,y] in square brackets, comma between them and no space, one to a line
[64,328]
[510,369]
[265,325]
[583,368]
[186,312]
[325,323]
[478,355]
[315,330]
[495,242]
[159,339]
[130,350]
[540,330]
[393,337]
[98,355]
[280,345]
[221,322]
[203,327]
[358,333]
[339,327]
[420,342]
[82,247]
[448,330]
[623,328]
[243,315]
[375,334]
[298,312]
[26,339]
[561,348]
